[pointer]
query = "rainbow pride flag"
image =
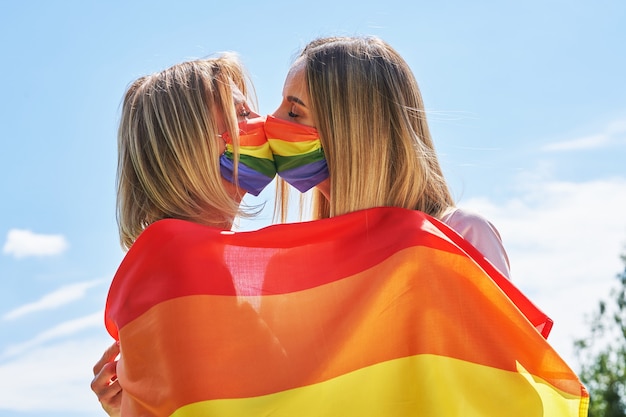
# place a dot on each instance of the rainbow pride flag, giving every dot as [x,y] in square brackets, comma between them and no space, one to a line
[381,312]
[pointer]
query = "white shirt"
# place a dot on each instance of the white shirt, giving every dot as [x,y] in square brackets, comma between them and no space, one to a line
[481,234]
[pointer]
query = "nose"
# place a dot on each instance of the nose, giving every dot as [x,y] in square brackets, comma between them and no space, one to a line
[282,113]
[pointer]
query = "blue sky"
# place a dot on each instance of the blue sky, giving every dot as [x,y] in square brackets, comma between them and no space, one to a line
[526,103]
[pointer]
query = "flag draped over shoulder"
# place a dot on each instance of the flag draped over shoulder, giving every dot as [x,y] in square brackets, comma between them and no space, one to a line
[381,312]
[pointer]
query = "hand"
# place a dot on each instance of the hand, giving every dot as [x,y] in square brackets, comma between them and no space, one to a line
[105,384]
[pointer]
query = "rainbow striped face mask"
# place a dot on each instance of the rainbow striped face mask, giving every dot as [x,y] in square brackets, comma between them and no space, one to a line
[256,167]
[298,153]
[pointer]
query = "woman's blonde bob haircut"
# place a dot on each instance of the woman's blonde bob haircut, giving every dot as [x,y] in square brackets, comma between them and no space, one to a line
[168,145]
[369,113]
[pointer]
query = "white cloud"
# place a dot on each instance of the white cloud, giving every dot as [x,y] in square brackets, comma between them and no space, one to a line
[53,379]
[64,329]
[586,142]
[564,241]
[613,134]
[23,243]
[62,296]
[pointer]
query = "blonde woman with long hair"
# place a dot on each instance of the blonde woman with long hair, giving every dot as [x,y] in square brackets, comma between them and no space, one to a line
[181,155]
[360,100]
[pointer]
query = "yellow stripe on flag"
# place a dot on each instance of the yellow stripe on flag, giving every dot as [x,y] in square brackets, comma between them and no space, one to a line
[393,388]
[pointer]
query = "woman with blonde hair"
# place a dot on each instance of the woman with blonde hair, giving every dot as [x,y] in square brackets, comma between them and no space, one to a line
[352,124]
[189,148]
[358,100]
[170,146]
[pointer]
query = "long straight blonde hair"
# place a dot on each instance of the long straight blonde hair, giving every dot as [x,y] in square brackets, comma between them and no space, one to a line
[168,149]
[369,113]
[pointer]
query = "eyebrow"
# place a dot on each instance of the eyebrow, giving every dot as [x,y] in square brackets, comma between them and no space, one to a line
[293,99]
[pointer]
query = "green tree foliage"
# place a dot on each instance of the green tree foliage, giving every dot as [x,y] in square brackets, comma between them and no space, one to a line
[602,354]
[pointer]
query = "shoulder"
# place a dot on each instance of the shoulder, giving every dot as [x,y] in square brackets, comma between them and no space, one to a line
[170,259]
[481,233]
[169,246]
[172,236]
[166,229]
[468,223]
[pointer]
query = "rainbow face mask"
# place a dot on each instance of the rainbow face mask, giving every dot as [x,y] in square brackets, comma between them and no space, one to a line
[256,167]
[298,153]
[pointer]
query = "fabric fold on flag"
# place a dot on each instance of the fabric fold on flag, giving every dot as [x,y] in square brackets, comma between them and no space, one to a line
[380,312]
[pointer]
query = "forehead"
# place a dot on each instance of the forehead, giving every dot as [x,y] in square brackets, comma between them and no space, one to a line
[295,83]
[238,95]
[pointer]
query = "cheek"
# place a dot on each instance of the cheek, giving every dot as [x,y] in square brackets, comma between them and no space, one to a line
[324,188]
[221,145]
[235,192]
